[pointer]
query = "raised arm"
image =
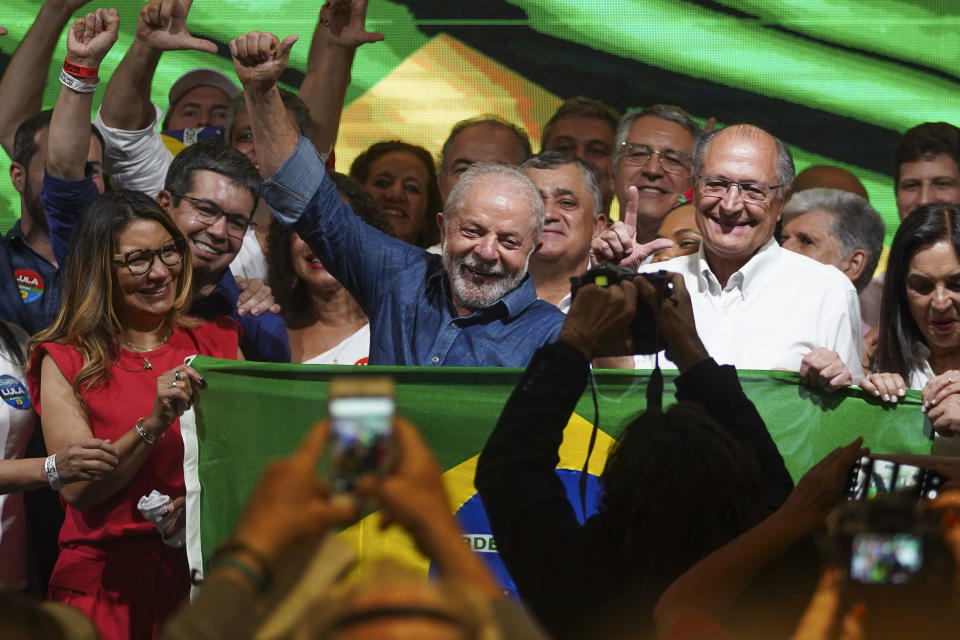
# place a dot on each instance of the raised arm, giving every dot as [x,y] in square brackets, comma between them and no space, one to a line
[21,89]
[89,40]
[339,32]
[259,58]
[162,26]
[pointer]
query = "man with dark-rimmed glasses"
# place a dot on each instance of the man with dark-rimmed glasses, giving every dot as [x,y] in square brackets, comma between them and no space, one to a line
[210,193]
[758,306]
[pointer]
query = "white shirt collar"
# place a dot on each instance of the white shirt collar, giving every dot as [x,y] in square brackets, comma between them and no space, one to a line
[760,266]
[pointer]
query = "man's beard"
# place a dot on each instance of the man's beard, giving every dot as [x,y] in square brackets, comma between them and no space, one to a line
[475,296]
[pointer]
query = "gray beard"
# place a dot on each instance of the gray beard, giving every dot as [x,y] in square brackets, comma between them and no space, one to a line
[473,296]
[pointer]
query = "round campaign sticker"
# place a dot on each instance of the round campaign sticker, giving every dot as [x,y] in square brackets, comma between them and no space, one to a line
[14,392]
[478,536]
[30,284]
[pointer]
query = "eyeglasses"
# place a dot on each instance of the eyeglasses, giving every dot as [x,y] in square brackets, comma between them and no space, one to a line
[753,192]
[671,161]
[139,261]
[209,212]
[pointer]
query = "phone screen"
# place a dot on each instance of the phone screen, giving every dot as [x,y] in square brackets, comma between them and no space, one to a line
[362,437]
[885,558]
[871,477]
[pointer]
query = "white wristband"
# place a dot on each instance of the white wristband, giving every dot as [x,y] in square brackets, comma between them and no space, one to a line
[50,467]
[76,84]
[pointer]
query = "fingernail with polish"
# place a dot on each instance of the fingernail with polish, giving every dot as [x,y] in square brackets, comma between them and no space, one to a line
[902,392]
[886,398]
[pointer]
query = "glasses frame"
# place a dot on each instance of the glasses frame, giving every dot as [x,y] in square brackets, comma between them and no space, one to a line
[688,161]
[124,258]
[199,213]
[739,183]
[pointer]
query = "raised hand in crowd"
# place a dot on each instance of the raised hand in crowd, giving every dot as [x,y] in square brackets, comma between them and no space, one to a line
[259,58]
[823,369]
[345,21]
[340,30]
[91,37]
[163,26]
[21,89]
[618,244]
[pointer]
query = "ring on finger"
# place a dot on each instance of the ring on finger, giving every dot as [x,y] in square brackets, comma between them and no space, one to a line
[176,375]
[949,380]
[173,384]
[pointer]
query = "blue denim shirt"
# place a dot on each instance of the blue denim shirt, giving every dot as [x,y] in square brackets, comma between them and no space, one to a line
[264,338]
[403,289]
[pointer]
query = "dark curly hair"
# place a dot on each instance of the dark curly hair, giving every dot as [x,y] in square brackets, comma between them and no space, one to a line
[289,290]
[360,170]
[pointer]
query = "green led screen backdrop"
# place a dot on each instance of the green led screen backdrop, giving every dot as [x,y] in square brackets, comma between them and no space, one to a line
[837,80]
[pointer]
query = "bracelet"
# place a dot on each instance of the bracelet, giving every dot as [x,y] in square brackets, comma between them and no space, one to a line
[262,580]
[75,84]
[257,580]
[79,70]
[145,435]
[50,468]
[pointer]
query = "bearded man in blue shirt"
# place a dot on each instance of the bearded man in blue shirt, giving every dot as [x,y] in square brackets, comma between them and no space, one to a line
[475,306]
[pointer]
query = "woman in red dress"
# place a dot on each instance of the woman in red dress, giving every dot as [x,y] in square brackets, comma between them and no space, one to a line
[112,367]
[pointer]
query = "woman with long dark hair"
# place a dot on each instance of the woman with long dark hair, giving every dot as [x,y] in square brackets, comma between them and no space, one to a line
[919,345]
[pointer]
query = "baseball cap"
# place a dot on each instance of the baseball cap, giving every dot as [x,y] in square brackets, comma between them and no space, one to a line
[199,78]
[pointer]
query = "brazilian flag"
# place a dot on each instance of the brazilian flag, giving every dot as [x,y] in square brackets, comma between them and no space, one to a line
[251,413]
[837,80]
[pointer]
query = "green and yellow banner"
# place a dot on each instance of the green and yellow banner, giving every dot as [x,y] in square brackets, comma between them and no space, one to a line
[252,413]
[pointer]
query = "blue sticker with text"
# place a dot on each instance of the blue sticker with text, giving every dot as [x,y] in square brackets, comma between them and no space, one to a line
[14,392]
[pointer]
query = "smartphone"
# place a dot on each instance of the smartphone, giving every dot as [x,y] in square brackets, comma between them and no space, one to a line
[870,477]
[886,558]
[361,413]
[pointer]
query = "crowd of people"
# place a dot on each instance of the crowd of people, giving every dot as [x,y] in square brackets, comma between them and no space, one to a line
[246,243]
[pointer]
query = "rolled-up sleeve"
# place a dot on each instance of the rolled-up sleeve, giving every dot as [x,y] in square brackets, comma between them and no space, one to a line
[292,187]
[135,160]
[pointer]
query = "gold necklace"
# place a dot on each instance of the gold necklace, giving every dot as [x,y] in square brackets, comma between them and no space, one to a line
[146,359]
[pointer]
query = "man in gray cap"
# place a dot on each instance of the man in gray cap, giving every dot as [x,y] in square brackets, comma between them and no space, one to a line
[136,156]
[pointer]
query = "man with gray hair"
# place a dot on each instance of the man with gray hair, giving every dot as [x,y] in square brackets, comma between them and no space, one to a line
[757,305]
[835,227]
[652,153]
[574,216]
[474,306]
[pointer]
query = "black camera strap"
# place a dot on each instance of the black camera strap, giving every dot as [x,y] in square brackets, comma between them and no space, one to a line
[654,394]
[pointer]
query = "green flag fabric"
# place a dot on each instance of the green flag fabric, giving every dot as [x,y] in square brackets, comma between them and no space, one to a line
[251,413]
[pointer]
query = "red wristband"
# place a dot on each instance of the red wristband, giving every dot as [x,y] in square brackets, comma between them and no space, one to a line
[79,71]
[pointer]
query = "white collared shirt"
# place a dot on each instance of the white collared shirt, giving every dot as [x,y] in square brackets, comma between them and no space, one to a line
[775,310]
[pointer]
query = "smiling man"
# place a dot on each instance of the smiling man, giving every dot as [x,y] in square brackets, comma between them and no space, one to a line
[652,151]
[757,305]
[474,306]
[573,199]
[926,166]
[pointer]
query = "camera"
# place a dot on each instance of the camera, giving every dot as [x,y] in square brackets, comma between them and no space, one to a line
[644,325]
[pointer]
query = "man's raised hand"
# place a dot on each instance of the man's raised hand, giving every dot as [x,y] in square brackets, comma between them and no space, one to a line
[618,244]
[163,26]
[90,38]
[259,58]
[345,21]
